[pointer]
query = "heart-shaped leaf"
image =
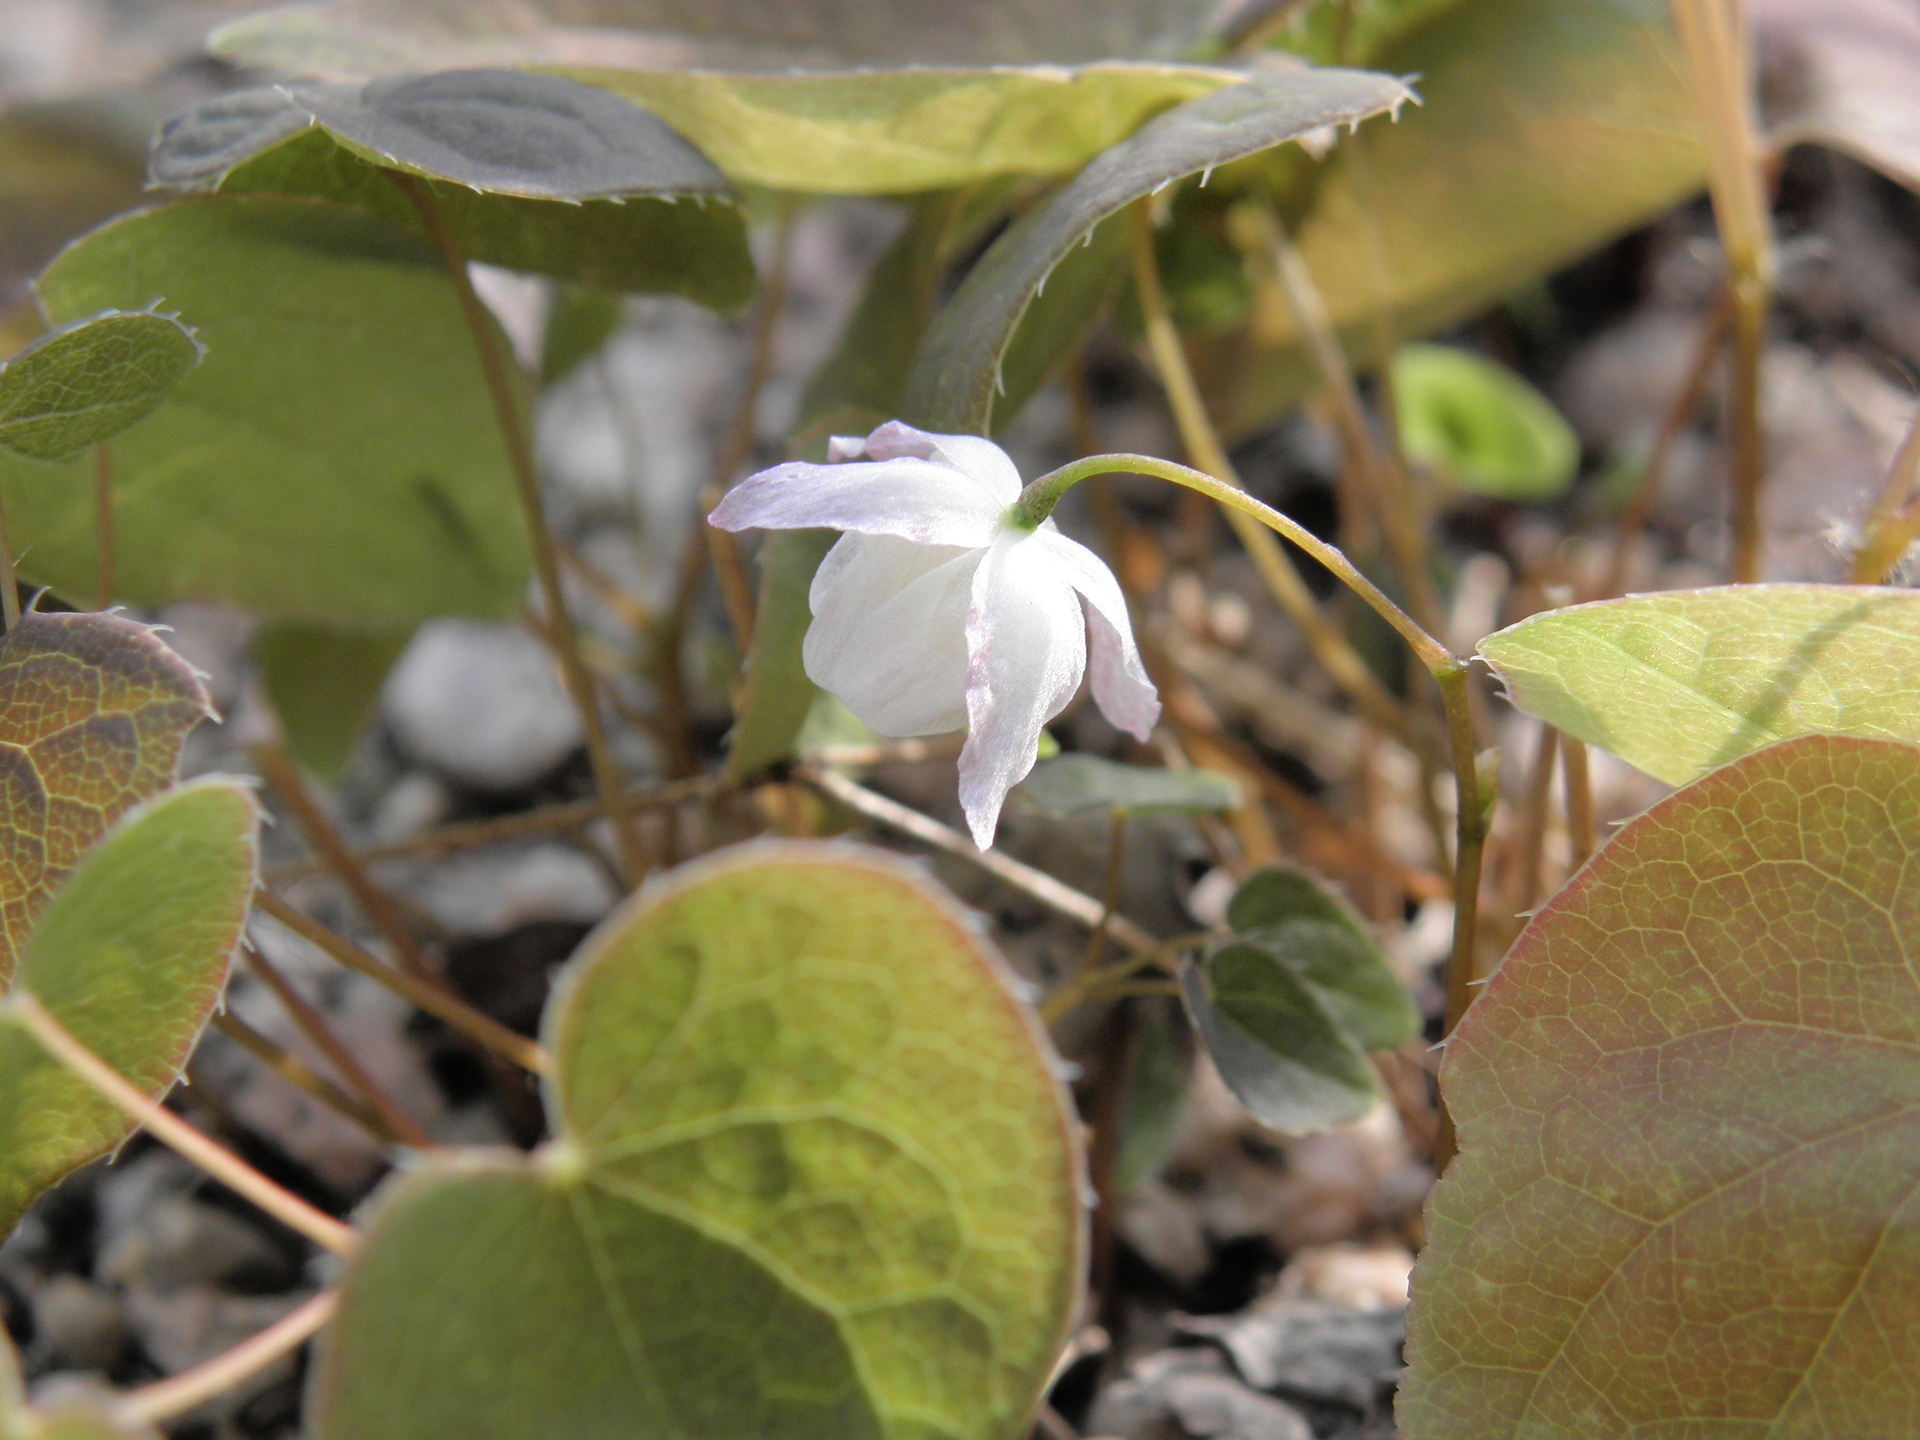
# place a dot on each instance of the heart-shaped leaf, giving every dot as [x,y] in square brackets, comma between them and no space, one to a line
[1298,921]
[131,957]
[954,379]
[325,686]
[1082,784]
[1680,682]
[93,712]
[1688,1188]
[814,1176]
[90,380]
[334,459]
[538,172]
[1478,426]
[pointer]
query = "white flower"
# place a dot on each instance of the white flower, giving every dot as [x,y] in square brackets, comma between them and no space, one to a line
[935,611]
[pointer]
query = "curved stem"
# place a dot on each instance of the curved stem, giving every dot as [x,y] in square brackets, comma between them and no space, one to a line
[494,366]
[177,1394]
[218,1161]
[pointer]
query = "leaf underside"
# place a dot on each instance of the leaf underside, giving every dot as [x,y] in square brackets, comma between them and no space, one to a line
[779,1206]
[1687,1199]
[88,381]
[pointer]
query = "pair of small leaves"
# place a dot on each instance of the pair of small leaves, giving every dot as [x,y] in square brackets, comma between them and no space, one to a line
[89,380]
[815,1175]
[1290,1006]
[124,899]
[1688,1102]
[1680,682]
[532,172]
[1478,426]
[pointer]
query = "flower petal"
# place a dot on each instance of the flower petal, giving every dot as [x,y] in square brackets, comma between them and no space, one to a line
[982,461]
[918,500]
[889,632]
[1026,652]
[1119,680]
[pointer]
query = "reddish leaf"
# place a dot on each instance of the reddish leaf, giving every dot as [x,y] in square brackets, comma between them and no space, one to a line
[1687,1201]
[93,711]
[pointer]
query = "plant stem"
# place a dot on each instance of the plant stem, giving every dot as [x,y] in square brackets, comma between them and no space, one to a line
[313,1025]
[1886,546]
[1580,820]
[177,1394]
[219,1162]
[1469,844]
[495,367]
[302,1077]
[1109,891]
[1091,986]
[1715,42]
[1058,897]
[9,587]
[103,524]
[444,1006]
[1282,578]
[1889,529]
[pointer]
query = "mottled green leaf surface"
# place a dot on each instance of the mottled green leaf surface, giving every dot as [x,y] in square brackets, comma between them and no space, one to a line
[955,376]
[131,956]
[1478,426]
[90,380]
[1679,682]
[93,712]
[324,685]
[333,459]
[1082,784]
[814,1176]
[1687,1198]
[533,172]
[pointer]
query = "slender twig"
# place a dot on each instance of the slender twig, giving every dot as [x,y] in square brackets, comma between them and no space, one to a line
[1094,984]
[1057,896]
[1109,891]
[177,1394]
[312,1024]
[103,524]
[1887,546]
[443,1005]
[1887,531]
[1673,424]
[634,612]
[1524,886]
[1471,838]
[219,1162]
[495,365]
[1282,578]
[1580,818]
[302,1076]
[284,776]
[1716,44]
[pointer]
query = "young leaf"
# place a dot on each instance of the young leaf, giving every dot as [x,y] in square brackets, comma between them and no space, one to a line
[814,1176]
[324,685]
[93,712]
[1275,1042]
[1294,919]
[954,379]
[334,459]
[1688,1105]
[536,173]
[1081,784]
[90,380]
[1480,427]
[131,956]
[1680,682]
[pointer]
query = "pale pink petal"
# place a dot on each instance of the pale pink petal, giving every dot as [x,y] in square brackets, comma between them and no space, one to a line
[918,500]
[1119,680]
[1026,653]
[980,460]
[889,632]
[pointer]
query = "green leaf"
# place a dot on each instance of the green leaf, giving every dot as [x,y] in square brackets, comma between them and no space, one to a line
[1356,34]
[324,685]
[93,712]
[334,459]
[814,1176]
[1688,1104]
[1156,1093]
[131,956]
[954,379]
[90,380]
[1478,426]
[1681,682]
[1081,784]
[1275,1042]
[532,172]
[580,321]
[778,692]
[1294,919]
[1060,316]
[1545,130]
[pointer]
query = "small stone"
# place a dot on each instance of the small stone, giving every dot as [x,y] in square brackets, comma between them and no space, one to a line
[481,704]
[1188,1395]
[488,892]
[1310,1352]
